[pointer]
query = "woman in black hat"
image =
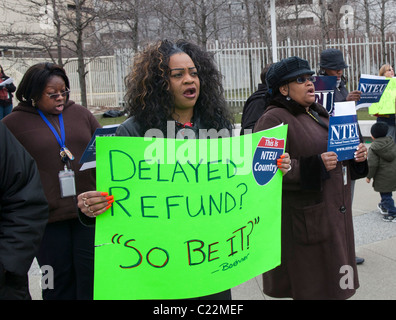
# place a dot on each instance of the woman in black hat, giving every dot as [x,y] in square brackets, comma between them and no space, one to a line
[317,229]
[332,64]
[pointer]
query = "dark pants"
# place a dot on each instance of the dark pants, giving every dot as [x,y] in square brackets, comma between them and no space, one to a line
[388,202]
[68,247]
[14,287]
[5,110]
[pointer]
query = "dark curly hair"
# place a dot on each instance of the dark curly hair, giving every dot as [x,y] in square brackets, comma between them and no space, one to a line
[148,97]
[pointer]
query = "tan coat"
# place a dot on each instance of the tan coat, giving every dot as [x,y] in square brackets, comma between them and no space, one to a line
[318,250]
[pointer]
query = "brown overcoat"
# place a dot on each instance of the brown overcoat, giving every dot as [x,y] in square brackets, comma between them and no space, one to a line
[318,250]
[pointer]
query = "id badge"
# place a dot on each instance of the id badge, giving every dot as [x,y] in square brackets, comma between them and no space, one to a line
[344,174]
[67,183]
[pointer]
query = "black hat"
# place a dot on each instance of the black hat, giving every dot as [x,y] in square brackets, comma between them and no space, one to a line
[290,68]
[332,59]
[379,130]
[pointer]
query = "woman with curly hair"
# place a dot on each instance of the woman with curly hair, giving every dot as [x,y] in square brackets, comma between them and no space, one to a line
[174,82]
[170,84]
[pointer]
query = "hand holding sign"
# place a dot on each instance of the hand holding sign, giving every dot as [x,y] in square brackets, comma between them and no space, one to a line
[94,203]
[284,163]
[344,134]
[361,153]
[185,229]
[372,89]
[329,160]
[354,95]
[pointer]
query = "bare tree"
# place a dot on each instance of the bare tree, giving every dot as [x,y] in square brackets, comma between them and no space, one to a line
[297,10]
[323,22]
[198,20]
[44,27]
[65,29]
[121,22]
[261,9]
[177,13]
[385,22]
[366,6]
[336,16]
[79,20]
[378,19]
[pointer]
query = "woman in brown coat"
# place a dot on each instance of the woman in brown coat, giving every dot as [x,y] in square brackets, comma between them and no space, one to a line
[318,251]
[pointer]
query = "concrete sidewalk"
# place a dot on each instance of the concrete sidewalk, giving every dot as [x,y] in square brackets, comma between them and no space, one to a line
[375,242]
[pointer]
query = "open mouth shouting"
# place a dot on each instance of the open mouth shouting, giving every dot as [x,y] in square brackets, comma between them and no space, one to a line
[311,91]
[184,81]
[190,93]
[59,107]
[310,94]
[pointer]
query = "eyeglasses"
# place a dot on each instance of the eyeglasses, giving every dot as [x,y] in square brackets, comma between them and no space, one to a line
[304,79]
[57,95]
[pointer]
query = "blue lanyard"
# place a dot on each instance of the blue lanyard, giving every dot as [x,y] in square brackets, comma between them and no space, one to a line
[61,139]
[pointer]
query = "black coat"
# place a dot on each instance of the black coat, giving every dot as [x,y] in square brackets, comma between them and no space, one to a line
[254,108]
[341,92]
[23,208]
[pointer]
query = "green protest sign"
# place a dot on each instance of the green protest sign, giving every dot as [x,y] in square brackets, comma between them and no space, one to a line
[191,217]
[386,105]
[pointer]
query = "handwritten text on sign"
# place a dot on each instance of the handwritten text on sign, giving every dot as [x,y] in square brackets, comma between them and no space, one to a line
[183,229]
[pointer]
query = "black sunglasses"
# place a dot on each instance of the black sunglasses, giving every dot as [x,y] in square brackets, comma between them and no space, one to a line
[304,79]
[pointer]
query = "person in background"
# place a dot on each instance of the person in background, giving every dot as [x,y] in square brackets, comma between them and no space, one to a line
[23,216]
[317,227]
[382,169]
[387,71]
[56,131]
[332,63]
[255,104]
[175,82]
[7,87]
